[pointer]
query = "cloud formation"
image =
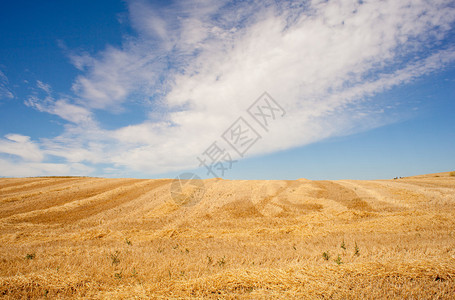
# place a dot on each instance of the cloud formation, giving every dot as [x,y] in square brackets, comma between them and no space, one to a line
[196,66]
[61,107]
[5,91]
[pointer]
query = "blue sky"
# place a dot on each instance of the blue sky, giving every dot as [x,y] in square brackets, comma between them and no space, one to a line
[149,89]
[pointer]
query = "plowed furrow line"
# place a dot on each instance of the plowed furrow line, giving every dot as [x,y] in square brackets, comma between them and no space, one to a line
[284,197]
[429,191]
[10,184]
[60,196]
[342,195]
[85,208]
[374,195]
[450,184]
[145,199]
[267,198]
[38,188]
[403,191]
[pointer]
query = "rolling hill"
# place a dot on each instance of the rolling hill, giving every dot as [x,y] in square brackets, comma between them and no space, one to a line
[81,237]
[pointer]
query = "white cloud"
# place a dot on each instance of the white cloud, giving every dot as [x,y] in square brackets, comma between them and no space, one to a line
[24,169]
[21,146]
[44,86]
[71,112]
[62,107]
[202,64]
[28,158]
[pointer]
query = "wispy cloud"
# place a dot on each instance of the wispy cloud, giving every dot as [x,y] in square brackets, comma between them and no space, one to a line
[21,146]
[20,156]
[62,107]
[5,91]
[201,63]
[21,169]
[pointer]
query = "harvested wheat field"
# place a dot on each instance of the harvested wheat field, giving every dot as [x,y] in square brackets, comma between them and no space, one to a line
[101,238]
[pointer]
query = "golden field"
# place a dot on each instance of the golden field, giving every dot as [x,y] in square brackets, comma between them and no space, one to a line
[98,238]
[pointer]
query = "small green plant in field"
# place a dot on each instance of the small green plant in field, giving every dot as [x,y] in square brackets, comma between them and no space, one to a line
[30,256]
[338,260]
[221,262]
[115,258]
[343,245]
[128,242]
[452,173]
[357,250]
[326,255]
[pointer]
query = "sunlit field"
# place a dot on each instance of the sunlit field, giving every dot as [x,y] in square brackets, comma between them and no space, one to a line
[127,238]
